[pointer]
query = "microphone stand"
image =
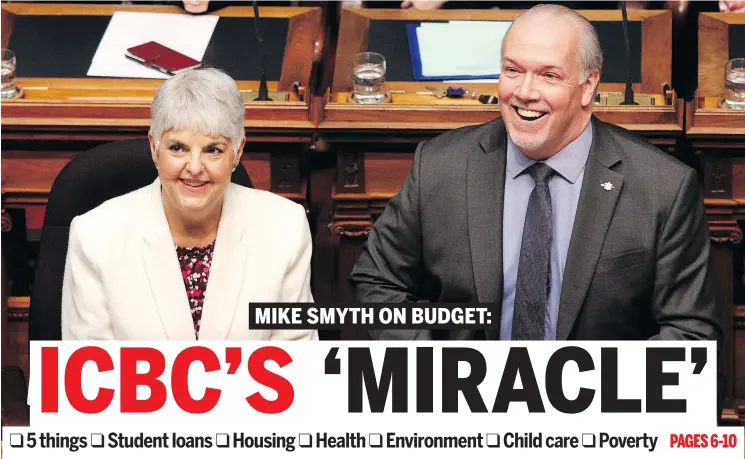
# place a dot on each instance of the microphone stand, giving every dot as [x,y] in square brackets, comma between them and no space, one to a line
[629,93]
[263,90]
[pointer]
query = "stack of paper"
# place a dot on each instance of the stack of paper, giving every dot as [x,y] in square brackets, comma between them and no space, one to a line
[464,50]
[184,33]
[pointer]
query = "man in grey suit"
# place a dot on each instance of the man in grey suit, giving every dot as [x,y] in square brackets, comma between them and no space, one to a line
[575,228]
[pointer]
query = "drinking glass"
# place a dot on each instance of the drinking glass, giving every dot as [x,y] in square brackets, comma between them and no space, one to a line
[8,74]
[734,84]
[368,76]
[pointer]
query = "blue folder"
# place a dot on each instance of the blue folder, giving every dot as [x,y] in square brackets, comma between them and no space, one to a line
[416,61]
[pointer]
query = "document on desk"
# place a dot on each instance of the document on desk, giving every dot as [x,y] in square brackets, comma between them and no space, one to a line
[184,33]
[458,50]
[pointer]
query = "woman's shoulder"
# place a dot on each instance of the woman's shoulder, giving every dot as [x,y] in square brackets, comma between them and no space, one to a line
[265,202]
[117,209]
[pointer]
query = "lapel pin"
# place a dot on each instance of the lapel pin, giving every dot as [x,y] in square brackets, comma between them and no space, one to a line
[607,186]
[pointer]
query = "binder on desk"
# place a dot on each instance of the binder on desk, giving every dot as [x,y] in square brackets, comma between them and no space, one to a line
[417,66]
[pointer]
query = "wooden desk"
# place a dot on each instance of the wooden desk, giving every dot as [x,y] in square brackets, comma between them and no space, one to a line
[718,138]
[83,111]
[62,111]
[374,144]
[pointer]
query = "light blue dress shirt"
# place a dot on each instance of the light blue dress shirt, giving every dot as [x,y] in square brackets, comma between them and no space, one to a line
[565,187]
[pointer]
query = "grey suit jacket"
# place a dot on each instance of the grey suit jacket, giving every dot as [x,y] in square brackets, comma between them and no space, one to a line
[637,264]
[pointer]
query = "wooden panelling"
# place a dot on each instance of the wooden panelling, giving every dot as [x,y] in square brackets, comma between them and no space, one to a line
[739,323]
[354,29]
[705,119]
[386,172]
[302,49]
[656,65]
[91,105]
[17,340]
[25,172]
[713,55]
[53,8]
[738,177]
[259,169]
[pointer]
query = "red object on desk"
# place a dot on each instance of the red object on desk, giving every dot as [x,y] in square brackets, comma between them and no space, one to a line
[162,58]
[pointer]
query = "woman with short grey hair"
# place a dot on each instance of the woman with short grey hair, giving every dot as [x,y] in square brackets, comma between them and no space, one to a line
[184,257]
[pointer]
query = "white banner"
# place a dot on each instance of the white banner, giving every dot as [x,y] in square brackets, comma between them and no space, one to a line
[333,398]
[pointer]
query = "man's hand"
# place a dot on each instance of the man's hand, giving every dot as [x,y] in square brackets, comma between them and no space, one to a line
[196,6]
[732,6]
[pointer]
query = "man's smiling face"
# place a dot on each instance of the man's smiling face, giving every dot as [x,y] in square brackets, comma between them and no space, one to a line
[544,102]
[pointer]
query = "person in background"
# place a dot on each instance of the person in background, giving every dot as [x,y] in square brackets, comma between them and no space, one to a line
[679,6]
[197,6]
[423,4]
[572,228]
[210,6]
[732,6]
[184,257]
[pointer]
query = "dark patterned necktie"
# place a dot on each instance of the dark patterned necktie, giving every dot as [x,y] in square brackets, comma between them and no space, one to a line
[534,271]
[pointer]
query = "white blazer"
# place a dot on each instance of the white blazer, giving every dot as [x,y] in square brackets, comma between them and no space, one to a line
[123,280]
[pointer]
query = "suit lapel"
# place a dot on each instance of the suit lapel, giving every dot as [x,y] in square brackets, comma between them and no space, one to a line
[227,272]
[485,198]
[594,214]
[163,271]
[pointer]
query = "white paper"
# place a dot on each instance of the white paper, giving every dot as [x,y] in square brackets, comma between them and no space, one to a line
[461,48]
[184,33]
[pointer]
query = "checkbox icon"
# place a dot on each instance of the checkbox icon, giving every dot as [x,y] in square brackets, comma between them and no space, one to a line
[97,440]
[492,440]
[222,440]
[16,440]
[376,440]
[588,440]
[305,440]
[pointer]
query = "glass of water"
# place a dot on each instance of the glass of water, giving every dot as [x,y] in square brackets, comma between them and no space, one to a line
[734,84]
[368,75]
[8,73]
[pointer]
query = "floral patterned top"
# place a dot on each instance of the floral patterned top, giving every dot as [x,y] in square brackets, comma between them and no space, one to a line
[195,265]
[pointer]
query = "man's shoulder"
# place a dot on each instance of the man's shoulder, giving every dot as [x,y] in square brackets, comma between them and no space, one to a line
[463,138]
[642,155]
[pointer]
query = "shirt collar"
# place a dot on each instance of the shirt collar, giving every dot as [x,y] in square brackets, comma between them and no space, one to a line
[568,162]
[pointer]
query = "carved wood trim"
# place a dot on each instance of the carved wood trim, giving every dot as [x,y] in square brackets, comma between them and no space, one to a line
[739,316]
[351,173]
[718,178]
[729,416]
[18,308]
[725,232]
[351,228]
[6,222]
[285,173]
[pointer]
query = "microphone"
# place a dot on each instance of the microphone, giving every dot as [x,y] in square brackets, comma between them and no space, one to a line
[629,94]
[263,91]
